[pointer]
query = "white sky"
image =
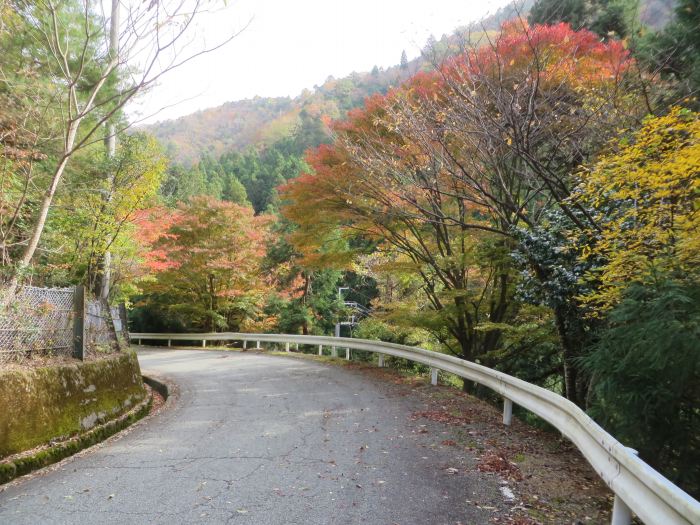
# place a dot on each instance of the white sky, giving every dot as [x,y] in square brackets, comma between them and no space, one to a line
[295,44]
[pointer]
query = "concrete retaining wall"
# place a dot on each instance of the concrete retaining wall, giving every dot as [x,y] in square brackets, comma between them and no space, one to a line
[47,404]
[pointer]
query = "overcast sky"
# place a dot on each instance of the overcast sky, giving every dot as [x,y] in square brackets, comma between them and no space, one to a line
[290,45]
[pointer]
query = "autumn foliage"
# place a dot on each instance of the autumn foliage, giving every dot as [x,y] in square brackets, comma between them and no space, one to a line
[206,257]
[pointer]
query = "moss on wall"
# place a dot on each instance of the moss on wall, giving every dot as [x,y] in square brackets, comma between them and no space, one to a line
[46,404]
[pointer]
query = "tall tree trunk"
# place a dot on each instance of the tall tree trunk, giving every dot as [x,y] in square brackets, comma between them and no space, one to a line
[38,229]
[111,143]
[573,338]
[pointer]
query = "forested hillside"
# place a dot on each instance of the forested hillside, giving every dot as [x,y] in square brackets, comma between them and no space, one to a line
[235,126]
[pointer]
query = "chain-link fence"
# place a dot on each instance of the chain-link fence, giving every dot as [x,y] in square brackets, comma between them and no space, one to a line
[36,321]
[47,322]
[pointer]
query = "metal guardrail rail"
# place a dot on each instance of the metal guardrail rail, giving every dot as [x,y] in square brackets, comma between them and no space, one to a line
[638,488]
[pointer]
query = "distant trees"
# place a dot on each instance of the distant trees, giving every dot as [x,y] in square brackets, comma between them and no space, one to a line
[605,17]
[673,54]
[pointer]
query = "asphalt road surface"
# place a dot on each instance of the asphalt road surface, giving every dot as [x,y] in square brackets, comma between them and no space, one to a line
[260,439]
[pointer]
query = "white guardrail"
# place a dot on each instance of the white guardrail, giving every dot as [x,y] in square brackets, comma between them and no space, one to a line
[638,488]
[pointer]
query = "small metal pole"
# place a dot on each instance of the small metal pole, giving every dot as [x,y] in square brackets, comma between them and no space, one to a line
[621,513]
[507,411]
[380,360]
[170,343]
[286,347]
[320,349]
[204,343]
[245,344]
[139,342]
[334,351]
[347,354]
[257,345]
[433,376]
[296,346]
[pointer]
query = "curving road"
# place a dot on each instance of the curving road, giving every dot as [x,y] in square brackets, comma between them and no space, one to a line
[259,439]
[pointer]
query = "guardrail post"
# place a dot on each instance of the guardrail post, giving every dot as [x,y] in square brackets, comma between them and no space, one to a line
[286,347]
[621,513]
[139,342]
[433,376]
[320,349]
[347,354]
[170,343]
[334,351]
[257,345]
[380,360]
[507,411]
[204,343]
[245,344]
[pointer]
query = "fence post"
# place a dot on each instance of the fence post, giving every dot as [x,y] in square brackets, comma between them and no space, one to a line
[79,322]
[507,411]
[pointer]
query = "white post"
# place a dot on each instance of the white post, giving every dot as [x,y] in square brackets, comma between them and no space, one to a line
[257,345]
[334,351]
[139,342]
[380,362]
[286,347]
[245,344]
[347,354]
[433,376]
[170,342]
[296,346]
[204,343]
[320,349]
[621,513]
[507,411]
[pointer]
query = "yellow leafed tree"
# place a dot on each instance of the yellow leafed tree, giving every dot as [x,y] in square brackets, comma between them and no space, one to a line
[645,197]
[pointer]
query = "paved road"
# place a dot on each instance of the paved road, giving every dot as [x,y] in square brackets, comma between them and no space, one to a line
[259,439]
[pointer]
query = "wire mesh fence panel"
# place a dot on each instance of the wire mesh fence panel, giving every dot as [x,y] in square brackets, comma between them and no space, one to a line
[100,334]
[36,321]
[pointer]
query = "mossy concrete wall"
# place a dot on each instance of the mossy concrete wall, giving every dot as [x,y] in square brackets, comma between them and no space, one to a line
[41,405]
